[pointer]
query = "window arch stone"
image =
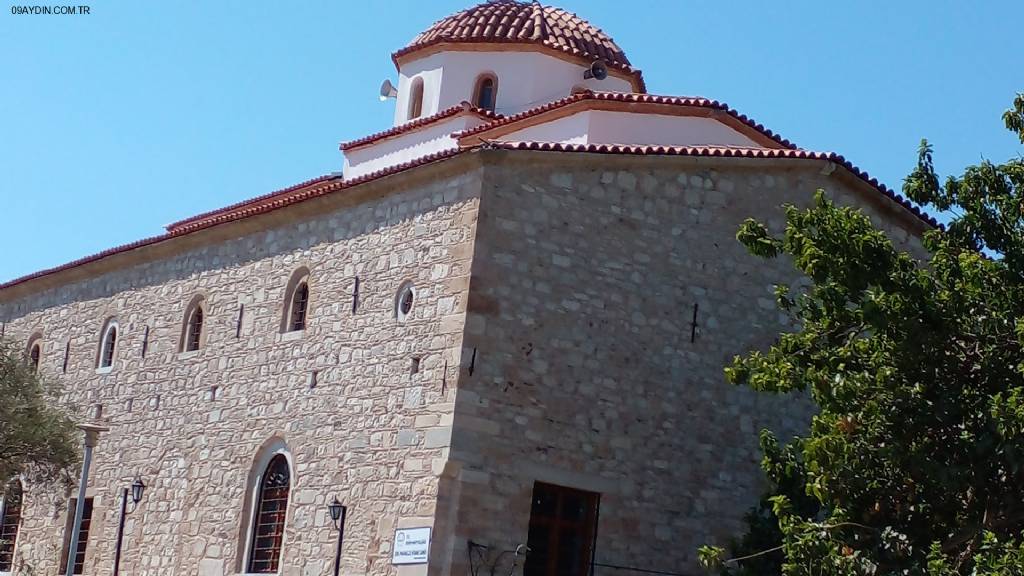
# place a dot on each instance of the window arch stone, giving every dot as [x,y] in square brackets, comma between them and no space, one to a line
[265,509]
[485,91]
[297,302]
[34,351]
[194,325]
[109,341]
[405,300]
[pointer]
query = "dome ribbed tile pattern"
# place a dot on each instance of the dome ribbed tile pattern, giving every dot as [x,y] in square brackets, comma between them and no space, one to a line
[510,21]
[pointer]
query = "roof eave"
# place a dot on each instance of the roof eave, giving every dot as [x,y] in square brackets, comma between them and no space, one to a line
[624,71]
[410,127]
[242,211]
[780,154]
[637,103]
[84,268]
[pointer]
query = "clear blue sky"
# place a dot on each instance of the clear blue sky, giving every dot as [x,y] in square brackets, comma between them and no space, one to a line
[142,113]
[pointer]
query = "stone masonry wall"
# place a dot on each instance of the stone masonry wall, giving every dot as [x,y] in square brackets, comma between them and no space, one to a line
[586,272]
[191,424]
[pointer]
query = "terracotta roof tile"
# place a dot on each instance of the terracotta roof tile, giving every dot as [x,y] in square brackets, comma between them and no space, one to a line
[328,184]
[525,22]
[418,123]
[261,204]
[298,193]
[276,193]
[631,97]
[721,152]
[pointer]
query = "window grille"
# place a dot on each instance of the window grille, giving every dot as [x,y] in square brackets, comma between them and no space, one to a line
[195,329]
[83,536]
[268,522]
[300,301]
[9,522]
[109,342]
[405,299]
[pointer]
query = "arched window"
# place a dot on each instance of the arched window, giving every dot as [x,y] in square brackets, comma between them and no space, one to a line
[34,350]
[296,308]
[404,301]
[10,520]
[485,94]
[300,300]
[267,531]
[108,345]
[192,336]
[416,98]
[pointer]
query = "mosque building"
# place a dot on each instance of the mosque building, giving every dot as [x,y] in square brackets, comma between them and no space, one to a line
[496,336]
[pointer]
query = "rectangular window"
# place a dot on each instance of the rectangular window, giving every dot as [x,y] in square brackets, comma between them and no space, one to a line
[83,536]
[562,528]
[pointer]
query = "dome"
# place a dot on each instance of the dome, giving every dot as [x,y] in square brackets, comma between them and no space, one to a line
[512,22]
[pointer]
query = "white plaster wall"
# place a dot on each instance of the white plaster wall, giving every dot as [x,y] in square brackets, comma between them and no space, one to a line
[634,128]
[396,150]
[525,80]
[605,127]
[431,76]
[573,129]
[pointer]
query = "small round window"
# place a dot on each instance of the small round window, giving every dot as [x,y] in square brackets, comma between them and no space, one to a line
[403,305]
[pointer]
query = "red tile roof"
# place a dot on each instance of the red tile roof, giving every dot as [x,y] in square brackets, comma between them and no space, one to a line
[87,259]
[632,97]
[509,21]
[419,123]
[328,184]
[261,204]
[276,193]
[720,152]
[298,193]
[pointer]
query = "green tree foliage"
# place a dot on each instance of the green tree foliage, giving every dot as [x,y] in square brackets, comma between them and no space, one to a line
[37,439]
[915,462]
